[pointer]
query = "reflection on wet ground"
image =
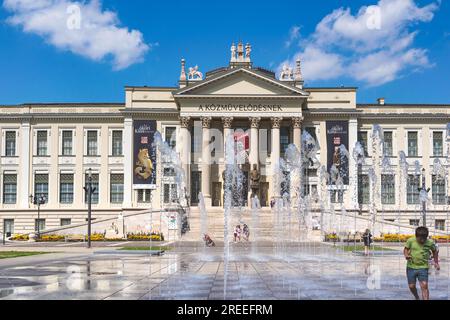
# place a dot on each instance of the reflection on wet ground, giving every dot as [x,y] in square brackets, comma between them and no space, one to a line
[302,272]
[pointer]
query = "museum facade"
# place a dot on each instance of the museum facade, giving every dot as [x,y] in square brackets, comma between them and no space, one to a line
[48,151]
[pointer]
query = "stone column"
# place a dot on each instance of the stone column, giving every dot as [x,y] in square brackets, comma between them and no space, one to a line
[227,130]
[296,177]
[128,163]
[297,125]
[254,141]
[23,190]
[185,151]
[353,166]
[275,152]
[206,160]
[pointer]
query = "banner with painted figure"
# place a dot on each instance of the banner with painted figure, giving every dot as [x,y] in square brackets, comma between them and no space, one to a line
[144,154]
[337,147]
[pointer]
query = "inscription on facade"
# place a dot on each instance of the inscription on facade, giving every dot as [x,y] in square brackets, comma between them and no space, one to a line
[241,107]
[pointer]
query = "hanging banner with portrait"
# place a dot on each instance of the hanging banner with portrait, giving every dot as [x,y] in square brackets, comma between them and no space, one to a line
[144,154]
[337,138]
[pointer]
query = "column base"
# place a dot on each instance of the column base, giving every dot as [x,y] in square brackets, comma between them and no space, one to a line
[208,200]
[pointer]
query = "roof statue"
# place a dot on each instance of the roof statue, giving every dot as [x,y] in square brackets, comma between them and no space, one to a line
[183,70]
[233,53]
[287,74]
[194,74]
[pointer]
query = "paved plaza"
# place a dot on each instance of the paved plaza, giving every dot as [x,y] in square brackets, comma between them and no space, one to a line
[298,271]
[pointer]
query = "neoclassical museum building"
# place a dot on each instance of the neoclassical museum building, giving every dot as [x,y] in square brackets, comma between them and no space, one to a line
[49,150]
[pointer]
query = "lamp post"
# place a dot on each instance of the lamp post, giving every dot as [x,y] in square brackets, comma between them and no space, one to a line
[423,190]
[89,191]
[38,201]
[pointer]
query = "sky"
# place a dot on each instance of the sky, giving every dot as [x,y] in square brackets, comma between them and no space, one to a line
[67,51]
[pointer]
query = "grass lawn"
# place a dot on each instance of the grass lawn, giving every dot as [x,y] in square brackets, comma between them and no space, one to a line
[15,254]
[352,247]
[154,248]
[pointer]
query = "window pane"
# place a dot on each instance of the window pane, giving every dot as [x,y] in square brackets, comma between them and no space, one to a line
[439,225]
[412,195]
[364,189]
[67,143]
[412,144]
[362,138]
[39,224]
[66,188]
[42,143]
[438,144]
[9,188]
[388,147]
[117,143]
[10,143]
[387,189]
[66,222]
[284,139]
[92,143]
[170,136]
[41,186]
[439,194]
[116,188]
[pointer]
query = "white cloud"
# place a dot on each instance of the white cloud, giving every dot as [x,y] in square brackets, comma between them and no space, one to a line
[375,45]
[294,34]
[83,28]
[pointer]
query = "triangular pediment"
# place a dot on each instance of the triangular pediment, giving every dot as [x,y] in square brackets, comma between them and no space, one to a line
[240,82]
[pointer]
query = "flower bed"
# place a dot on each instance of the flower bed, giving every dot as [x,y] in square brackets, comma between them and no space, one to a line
[154,236]
[405,237]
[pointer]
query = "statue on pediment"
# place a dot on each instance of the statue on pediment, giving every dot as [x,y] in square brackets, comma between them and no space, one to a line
[287,74]
[195,74]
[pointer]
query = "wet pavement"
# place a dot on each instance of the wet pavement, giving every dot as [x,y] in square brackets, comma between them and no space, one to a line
[303,271]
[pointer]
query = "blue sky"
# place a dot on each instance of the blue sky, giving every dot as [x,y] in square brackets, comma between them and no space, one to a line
[402,56]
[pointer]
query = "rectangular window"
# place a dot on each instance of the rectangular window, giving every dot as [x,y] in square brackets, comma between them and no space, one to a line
[143,195]
[438,144]
[414,222]
[312,132]
[39,224]
[284,139]
[10,143]
[337,196]
[66,222]
[92,143]
[412,194]
[67,143]
[363,189]
[388,144]
[387,189]
[116,188]
[439,224]
[170,136]
[170,193]
[438,190]
[117,143]
[9,227]
[95,187]
[363,140]
[41,186]
[42,143]
[66,188]
[9,188]
[413,150]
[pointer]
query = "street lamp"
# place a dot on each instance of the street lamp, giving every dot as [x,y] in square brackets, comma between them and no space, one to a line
[423,198]
[38,201]
[89,191]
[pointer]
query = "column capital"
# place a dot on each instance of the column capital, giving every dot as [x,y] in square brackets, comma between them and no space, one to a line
[297,122]
[276,122]
[206,122]
[227,122]
[185,122]
[254,122]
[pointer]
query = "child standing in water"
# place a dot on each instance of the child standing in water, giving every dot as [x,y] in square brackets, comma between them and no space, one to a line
[417,252]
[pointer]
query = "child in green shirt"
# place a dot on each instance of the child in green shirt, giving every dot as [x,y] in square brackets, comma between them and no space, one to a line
[417,253]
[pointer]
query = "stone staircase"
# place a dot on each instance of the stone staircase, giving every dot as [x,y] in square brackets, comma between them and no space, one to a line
[265,227]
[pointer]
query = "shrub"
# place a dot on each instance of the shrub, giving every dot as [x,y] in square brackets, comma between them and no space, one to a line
[20,237]
[142,236]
